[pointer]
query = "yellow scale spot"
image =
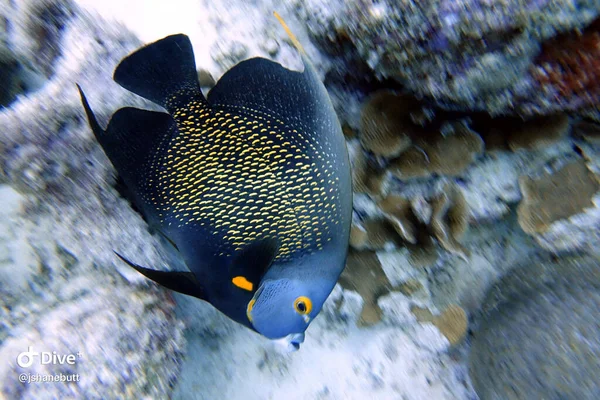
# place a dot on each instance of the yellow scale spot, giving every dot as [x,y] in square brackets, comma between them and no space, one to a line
[204,181]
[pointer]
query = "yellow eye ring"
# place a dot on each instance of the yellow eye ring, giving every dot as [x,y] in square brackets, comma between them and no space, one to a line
[303,305]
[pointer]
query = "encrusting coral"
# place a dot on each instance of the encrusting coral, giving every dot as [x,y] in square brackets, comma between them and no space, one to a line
[448,151]
[373,233]
[452,322]
[450,219]
[384,128]
[552,197]
[367,178]
[413,163]
[400,132]
[514,133]
[399,212]
[447,221]
[363,274]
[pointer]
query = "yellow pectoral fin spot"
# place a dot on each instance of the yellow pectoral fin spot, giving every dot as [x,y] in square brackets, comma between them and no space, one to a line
[242,283]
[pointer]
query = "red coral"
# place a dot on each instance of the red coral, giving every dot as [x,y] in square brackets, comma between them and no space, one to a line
[570,66]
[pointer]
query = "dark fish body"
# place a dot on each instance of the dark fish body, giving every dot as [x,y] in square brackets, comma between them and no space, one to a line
[252,182]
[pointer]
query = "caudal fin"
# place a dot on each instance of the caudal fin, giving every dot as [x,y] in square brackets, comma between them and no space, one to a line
[161,70]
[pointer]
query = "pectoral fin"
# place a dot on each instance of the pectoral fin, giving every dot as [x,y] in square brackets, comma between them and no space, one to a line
[179,281]
[249,265]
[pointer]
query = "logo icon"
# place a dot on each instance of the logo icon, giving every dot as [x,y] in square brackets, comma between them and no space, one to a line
[25,359]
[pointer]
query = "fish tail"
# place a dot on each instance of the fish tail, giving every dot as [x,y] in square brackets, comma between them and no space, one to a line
[163,71]
[289,32]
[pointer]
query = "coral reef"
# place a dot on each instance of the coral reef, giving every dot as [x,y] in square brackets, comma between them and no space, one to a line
[398,211]
[557,196]
[398,134]
[367,177]
[538,333]
[71,293]
[61,289]
[472,54]
[374,233]
[129,338]
[446,152]
[450,219]
[421,177]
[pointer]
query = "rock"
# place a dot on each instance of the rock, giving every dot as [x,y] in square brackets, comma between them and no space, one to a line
[61,288]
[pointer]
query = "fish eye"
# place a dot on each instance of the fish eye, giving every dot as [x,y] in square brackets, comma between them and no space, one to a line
[303,305]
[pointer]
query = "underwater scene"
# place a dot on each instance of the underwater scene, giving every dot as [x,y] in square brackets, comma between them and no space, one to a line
[300,199]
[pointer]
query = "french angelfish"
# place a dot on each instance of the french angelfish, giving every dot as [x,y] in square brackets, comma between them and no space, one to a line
[250,184]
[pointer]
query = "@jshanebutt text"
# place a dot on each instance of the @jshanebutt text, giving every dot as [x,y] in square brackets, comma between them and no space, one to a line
[30,357]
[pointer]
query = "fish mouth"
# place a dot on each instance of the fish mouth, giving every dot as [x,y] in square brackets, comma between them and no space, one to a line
[295,339]
[290,343]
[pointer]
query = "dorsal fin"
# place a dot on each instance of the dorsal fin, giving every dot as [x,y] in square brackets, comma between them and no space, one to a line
[131,139]
[161,70]
[264,85]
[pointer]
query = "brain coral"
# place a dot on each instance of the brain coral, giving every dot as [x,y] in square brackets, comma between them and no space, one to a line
[538,336]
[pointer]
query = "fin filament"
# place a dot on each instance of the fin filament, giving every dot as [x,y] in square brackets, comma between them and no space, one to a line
[287,29]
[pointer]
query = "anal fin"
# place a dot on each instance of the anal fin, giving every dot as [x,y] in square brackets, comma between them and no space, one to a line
[179,281]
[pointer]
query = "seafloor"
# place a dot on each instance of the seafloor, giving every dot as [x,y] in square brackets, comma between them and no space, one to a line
[474,136]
